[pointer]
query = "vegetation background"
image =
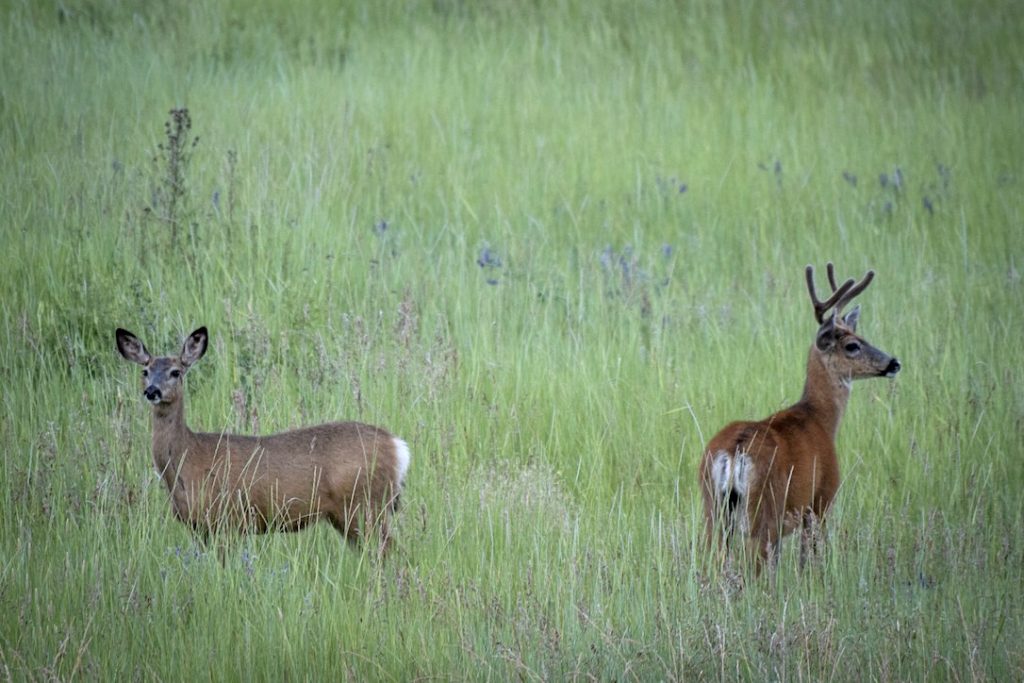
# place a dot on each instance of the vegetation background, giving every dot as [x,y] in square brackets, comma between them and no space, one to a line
[555,246]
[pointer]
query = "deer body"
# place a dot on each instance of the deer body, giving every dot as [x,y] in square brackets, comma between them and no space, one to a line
[767,478]
[346,472]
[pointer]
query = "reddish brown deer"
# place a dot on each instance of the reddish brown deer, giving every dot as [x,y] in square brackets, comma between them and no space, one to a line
[766,479]
[347,472]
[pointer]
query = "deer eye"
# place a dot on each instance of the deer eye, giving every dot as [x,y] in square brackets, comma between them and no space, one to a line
[145,373]
[852,348]
[175,373]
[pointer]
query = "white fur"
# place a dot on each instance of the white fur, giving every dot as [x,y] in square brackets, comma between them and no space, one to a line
[721,472]
[402,459]
[742,468]
[731,472]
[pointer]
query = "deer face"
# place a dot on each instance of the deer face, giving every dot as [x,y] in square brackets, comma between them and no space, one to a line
[163,377]
[161,380]
[848,355]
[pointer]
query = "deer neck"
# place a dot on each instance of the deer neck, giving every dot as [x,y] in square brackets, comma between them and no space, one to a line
[825,393]
[171,438]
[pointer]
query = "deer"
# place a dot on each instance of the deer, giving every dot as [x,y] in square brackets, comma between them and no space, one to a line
[349,473]
[763,480]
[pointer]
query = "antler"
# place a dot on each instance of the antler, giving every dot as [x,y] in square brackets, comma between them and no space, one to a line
[854,291]
[840,295]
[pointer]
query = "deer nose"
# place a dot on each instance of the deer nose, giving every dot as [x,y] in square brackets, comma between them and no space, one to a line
[892,368]
[153,394]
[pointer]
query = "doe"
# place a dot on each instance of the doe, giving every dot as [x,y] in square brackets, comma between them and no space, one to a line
[766,479]
[347,472]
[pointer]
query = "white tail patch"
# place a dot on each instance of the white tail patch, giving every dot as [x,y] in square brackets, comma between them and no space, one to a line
[402,459]
[731,473]
[721,472]
[742,468]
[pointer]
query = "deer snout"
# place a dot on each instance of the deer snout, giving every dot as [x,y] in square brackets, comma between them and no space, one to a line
[153,394]
[892,368]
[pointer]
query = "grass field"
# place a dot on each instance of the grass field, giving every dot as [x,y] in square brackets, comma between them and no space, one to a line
[553,245]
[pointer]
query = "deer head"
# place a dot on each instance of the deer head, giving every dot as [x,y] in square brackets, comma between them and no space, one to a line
[847,355]
[162,376]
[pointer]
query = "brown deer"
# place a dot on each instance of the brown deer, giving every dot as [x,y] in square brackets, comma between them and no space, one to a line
[347,472]
[766,479]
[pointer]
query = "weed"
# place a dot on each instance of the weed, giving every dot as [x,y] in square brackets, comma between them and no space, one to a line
[169,203]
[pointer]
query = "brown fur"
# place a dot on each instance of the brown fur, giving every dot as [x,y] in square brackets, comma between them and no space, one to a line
[794,470]
[346,472]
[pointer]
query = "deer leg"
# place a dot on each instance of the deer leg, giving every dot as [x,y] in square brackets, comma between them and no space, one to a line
[376,524]
[717,536]
[222,552]
[719,525]
[208,541]
[384,542]
[347,524]
[764,541]
[812,537]
[765,553]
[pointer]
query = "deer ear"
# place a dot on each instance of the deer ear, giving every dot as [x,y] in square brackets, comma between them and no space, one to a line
[194,347]
[851,318]
[826,338]
[131,347]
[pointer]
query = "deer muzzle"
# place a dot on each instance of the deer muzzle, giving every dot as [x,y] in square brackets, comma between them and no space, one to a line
[892,368]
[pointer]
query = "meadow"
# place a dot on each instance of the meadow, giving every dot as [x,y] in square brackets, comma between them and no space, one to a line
[553,245]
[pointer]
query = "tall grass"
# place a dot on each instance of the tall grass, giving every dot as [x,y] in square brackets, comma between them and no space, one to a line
[555,246]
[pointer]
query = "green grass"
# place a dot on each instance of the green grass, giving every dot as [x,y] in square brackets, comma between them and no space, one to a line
[353,164]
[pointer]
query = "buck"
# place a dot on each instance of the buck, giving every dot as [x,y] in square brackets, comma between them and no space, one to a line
[767,479]
[347,472]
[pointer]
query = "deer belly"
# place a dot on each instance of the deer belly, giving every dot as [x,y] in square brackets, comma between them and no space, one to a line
[250,505]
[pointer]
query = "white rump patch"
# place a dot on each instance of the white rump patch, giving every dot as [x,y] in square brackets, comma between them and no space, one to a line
[731,473]
[721,472]
[742,468]
[402,459]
